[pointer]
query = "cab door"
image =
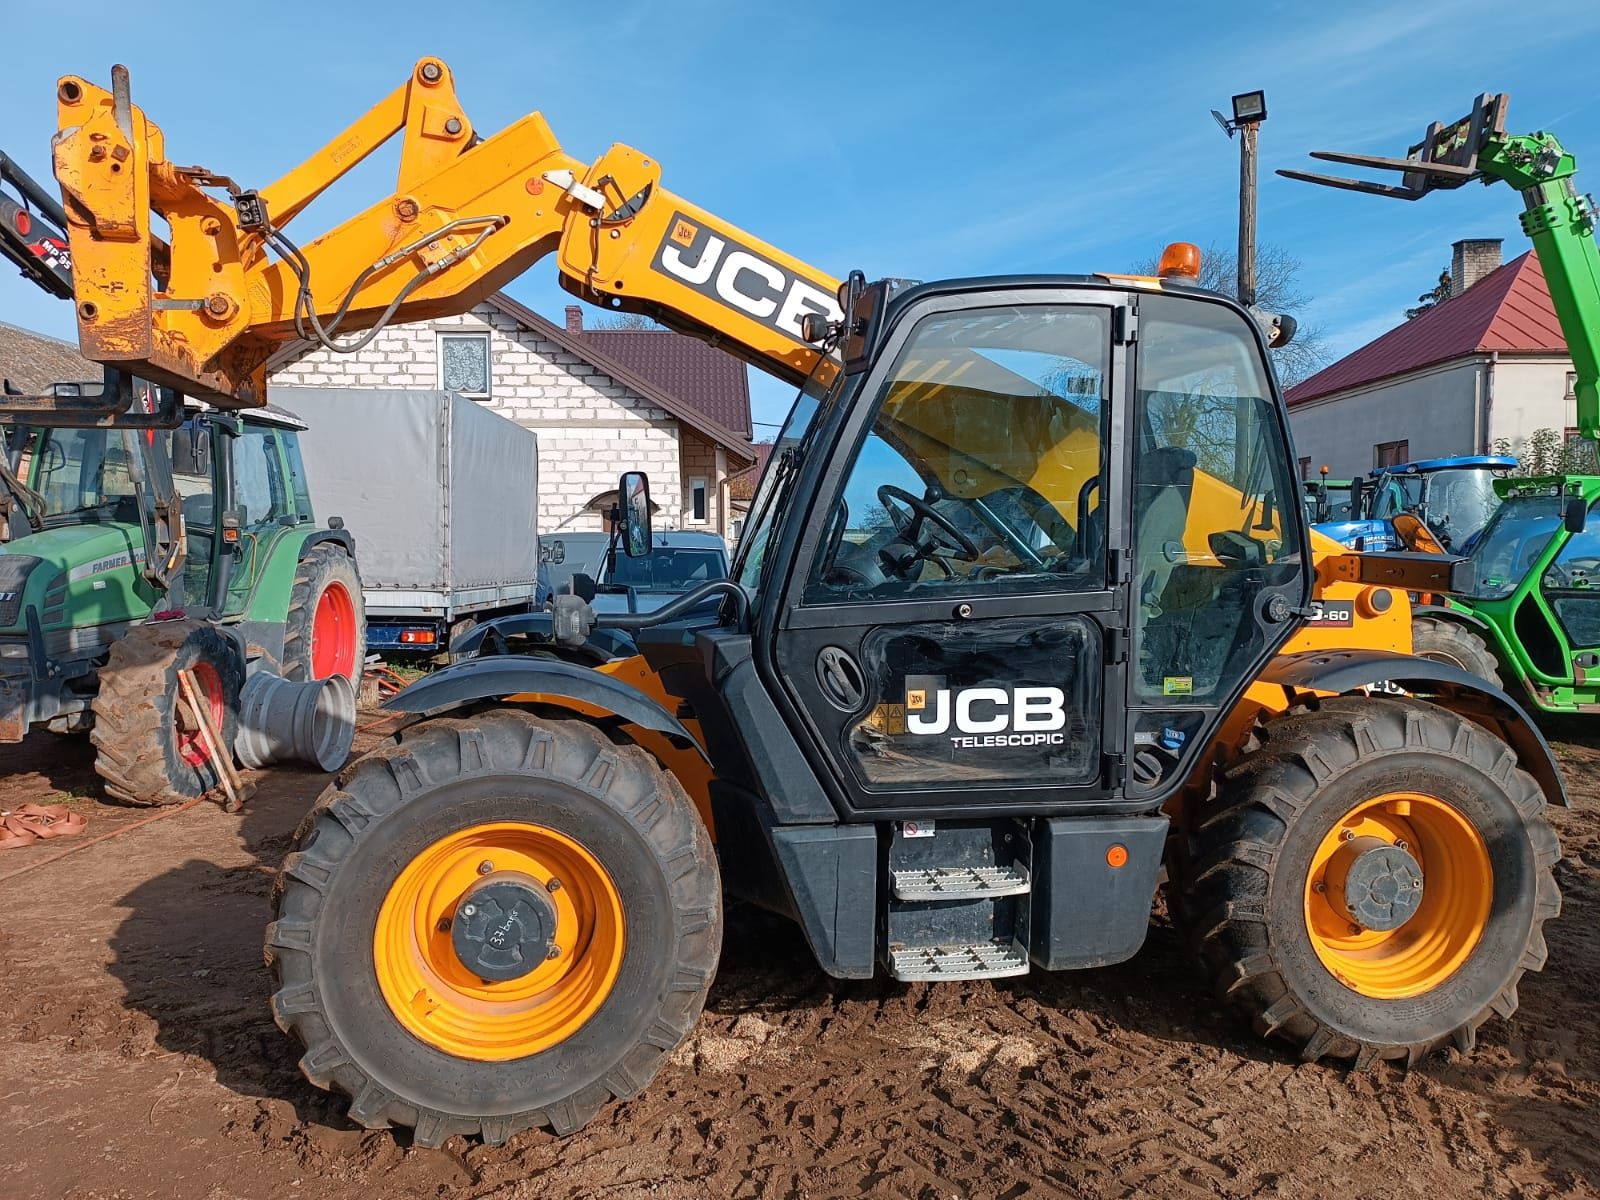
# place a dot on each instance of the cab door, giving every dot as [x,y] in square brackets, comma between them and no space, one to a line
[952,632]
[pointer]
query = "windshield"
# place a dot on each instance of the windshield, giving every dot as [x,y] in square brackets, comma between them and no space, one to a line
[777,479]
[1459,503]
[79,470]
[669,569]
[1512,542]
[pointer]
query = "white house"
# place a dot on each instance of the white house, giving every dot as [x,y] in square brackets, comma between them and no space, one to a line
[602,402]
[1487,366]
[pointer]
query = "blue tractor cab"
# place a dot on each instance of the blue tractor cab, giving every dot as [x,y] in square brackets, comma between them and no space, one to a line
[1453,496]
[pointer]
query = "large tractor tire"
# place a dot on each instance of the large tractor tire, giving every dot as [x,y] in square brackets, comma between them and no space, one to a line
[326,630]
[1452,642]
[149,749]
[495,923]
[1375,881]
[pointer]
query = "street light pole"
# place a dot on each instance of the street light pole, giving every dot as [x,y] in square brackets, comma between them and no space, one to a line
[1247,214]
[1249,110]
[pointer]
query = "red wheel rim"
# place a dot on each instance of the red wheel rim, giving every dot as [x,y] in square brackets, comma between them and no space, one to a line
[333,634]
[191,742]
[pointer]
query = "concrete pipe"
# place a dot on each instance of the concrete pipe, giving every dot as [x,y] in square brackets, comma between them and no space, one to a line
[284,721]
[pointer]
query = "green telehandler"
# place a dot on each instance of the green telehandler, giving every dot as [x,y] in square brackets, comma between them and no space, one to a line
[1533,614]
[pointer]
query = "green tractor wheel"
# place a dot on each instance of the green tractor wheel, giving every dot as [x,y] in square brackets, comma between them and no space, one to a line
[1452,642]
[325,632]
[150,750]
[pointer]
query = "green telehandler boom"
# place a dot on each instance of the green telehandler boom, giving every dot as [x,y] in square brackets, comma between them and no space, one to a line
[1534,611]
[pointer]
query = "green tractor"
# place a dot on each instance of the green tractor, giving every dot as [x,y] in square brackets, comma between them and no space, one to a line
[137,552]
[1534,612]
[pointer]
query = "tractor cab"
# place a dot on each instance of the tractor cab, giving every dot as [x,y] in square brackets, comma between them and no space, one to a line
[1536,592]
[109,527]
[1454,497]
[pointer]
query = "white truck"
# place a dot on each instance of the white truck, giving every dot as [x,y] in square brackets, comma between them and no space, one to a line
[442,498]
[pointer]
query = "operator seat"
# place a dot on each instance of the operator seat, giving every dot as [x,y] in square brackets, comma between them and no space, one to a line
[1161,517]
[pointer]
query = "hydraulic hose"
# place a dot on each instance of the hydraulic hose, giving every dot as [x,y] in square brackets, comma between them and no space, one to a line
[631,622]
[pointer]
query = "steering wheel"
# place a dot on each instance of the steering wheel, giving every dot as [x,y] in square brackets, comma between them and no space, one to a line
[924,511]
[1576,573]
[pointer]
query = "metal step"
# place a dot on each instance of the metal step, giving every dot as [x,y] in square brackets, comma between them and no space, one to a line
[959,883]
[979,960]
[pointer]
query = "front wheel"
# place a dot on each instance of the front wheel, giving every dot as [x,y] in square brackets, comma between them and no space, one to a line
[1376,881]
[149,747]
[1452,642]
[495,923]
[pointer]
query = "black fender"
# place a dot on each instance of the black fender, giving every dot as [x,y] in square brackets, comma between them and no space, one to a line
[339,537]
[1459,615]
[603,644]
[552,681]
[1446,685]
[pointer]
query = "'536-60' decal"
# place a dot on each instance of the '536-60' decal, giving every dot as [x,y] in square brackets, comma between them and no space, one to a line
[1332,614]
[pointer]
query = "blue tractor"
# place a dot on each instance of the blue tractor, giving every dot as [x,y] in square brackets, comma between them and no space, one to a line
[1453,497]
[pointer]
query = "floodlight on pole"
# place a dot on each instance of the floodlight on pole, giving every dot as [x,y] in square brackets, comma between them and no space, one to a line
[1249,110]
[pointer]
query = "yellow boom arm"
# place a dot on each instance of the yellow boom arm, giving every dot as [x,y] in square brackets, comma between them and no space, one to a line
[206,308]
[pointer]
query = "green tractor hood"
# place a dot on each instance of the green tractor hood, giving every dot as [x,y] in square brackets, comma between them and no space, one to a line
[74,575]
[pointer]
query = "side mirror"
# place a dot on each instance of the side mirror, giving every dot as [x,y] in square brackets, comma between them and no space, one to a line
[583,585]
[633,508]
[191,450]
[1575,514]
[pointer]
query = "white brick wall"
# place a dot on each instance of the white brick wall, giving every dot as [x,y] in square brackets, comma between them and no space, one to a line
[590,427]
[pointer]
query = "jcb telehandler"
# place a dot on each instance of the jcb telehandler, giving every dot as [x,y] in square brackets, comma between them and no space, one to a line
[1024,609]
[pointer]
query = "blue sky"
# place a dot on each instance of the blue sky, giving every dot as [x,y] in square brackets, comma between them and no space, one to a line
[922,140]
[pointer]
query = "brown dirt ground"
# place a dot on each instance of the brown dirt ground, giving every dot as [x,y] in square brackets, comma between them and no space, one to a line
[139,1059]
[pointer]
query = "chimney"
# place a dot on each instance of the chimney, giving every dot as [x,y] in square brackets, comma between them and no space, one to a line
[575,314]
[1470,260]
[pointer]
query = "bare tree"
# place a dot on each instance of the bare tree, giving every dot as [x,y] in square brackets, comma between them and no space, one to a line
[1432,298]
[1278,290]
[623,320]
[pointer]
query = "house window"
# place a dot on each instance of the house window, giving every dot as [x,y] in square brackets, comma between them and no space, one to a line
[1391,454]
[697,501]
[1305,467]
[1572,386]
[464,364]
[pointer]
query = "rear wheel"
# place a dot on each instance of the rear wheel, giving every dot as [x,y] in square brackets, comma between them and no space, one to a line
[1376,882]
[325,632]
[1452,642]
[149,748]
[496,923]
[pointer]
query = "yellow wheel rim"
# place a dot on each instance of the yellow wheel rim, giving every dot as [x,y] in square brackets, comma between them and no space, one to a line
[448,1006]
[1457,885]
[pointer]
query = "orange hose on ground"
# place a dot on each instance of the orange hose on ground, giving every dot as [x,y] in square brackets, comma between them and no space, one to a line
[104,837]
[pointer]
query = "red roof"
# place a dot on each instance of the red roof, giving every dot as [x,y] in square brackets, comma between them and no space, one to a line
[1508,310]
[709,379]
[678,404]
[743,485]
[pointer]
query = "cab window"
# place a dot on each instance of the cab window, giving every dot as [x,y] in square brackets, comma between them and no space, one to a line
[258,480]
[981,469]
[1213,521]
[1572,583]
